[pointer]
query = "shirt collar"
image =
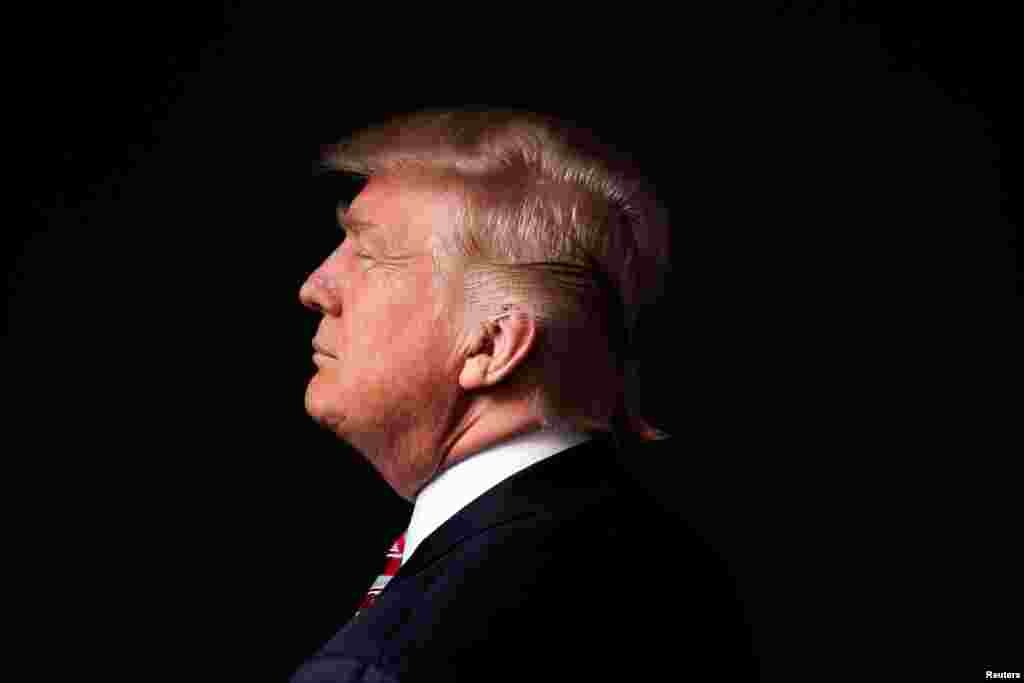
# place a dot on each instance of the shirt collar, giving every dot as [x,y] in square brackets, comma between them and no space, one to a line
[465,481]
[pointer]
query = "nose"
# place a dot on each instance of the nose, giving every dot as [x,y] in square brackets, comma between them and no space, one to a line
[320,292]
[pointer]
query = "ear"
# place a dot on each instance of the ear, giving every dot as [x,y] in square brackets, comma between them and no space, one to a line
[502,345]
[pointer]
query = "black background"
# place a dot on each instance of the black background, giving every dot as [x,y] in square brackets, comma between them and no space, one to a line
[831,354]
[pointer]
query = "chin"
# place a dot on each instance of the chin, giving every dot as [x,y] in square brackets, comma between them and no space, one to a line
[320,407]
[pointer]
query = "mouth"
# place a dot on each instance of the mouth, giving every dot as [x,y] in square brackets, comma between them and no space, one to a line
[318,351]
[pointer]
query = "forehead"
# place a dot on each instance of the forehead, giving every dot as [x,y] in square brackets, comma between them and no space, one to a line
[398,211]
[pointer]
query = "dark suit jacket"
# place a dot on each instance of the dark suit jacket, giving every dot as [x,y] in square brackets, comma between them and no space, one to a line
[567,570]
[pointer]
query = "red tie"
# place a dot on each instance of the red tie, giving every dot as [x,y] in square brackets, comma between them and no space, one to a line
[394,561]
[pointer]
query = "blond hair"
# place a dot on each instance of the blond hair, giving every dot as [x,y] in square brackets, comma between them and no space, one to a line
[552,223]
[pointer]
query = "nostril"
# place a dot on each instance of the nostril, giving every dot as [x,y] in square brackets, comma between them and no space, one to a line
[319,292]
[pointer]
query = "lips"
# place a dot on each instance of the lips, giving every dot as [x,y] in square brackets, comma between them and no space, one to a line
[321,350]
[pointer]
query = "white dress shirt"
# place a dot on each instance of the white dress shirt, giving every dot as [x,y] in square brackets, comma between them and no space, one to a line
[465,481]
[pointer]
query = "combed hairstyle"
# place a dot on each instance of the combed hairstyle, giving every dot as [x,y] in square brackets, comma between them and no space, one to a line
[551,223]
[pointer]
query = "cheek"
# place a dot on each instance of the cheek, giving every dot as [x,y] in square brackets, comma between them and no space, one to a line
[404,326]
[414,359]
[389,336]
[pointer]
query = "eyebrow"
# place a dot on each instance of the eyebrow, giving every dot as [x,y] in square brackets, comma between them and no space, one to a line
[351,223]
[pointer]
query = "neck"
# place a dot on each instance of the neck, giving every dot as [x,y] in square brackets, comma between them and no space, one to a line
[487,420]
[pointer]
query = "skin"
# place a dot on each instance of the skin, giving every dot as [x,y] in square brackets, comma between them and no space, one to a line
[405,383]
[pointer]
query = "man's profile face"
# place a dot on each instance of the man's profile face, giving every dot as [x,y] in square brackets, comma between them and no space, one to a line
[386,378]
